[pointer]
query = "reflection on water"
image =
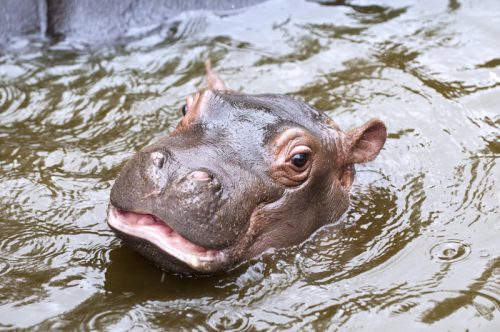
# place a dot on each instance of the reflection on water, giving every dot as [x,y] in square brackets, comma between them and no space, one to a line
[420,242]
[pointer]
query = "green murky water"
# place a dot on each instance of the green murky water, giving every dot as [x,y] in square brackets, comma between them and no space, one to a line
[421,246]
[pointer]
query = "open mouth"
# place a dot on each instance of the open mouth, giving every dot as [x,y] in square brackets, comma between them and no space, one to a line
[154,230]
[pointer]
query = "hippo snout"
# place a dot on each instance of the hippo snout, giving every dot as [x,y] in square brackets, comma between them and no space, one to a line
[195,203]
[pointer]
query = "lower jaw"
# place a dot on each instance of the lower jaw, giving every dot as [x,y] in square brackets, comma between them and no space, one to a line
[186,264]
[161,259]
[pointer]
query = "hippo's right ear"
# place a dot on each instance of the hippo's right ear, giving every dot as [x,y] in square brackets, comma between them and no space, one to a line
[213,79]
[365,142]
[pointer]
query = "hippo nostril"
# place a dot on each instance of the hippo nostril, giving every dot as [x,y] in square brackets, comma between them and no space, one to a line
[200,176]
[158,159]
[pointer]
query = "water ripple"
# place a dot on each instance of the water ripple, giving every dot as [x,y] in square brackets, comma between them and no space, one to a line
[228,320]
[12,99]
[5,267]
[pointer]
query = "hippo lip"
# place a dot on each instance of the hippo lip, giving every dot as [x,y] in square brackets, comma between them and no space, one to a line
[156,231]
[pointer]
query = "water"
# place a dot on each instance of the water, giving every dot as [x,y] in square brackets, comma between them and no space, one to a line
[420,249]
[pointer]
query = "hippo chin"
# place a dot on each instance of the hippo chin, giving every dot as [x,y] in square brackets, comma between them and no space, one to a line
[240,174]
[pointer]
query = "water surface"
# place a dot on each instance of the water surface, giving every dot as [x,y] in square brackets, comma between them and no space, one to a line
[420,247]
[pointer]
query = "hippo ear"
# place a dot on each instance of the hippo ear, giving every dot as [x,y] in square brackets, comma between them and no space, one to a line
[365,142]
[213,80]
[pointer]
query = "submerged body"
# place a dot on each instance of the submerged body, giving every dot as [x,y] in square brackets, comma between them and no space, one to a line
[240,174]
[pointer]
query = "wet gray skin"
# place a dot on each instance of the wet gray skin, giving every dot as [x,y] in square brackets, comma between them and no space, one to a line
[418,247]
[239,175]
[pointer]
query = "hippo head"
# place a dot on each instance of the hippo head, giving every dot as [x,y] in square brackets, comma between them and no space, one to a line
[240,174]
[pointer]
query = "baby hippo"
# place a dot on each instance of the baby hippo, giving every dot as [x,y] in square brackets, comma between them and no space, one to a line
[240,174]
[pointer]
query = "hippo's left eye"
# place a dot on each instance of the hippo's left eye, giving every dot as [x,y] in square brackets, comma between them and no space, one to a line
[300,159]
[295,154]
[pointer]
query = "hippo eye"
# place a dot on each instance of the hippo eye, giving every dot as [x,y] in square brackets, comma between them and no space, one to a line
[184,109]
[300,159]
